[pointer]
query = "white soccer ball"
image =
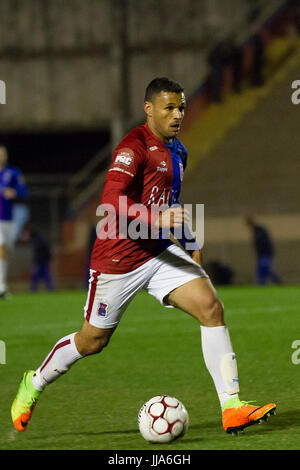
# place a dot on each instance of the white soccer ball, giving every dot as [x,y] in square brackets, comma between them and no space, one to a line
[163,419]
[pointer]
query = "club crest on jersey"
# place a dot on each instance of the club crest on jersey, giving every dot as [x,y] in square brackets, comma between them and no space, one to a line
[102,309]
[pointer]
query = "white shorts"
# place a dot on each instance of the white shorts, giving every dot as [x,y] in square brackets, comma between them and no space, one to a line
[7,233]
[110,294]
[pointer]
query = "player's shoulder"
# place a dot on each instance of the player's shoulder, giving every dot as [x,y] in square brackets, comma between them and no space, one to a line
[182,150]
[13,169]
[180,146]
[135,140]
[9,171]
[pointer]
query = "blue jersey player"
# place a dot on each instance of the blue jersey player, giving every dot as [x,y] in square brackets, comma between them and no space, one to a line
[12,186]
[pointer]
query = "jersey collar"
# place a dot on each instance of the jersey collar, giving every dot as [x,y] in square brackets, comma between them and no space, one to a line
[155,140]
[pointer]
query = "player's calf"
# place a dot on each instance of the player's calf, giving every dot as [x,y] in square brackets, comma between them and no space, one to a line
[62,356]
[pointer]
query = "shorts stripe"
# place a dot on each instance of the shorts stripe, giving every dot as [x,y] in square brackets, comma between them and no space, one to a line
[58,346]
[93,288]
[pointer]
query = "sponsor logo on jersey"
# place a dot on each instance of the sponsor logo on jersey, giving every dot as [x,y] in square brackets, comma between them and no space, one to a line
[154,147]
[158,168]
[162,167]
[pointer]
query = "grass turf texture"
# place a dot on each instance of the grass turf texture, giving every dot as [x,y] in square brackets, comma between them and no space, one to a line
[154,351]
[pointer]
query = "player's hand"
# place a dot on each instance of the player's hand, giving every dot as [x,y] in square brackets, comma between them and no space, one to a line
[196,256]
[10,193]
[172,217]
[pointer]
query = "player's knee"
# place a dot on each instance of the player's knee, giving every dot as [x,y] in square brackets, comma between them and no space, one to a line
[212,312]
[215,315]
[97,344]
[90,344]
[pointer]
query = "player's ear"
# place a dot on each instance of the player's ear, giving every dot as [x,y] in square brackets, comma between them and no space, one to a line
[148,108]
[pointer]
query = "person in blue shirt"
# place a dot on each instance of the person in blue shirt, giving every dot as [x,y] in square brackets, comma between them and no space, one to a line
[264,250]
[12,187]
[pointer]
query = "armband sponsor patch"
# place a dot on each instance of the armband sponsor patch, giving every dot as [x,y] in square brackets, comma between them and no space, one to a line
[124,157]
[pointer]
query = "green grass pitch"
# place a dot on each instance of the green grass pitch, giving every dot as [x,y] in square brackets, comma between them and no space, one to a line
[154,351]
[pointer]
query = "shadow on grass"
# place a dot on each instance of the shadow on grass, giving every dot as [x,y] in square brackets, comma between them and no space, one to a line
[280,422]
[131,431]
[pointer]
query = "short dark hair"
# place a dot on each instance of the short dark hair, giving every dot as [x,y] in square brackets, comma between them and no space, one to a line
[160,84]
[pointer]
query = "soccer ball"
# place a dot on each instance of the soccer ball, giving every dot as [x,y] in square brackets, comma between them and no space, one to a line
[163,419]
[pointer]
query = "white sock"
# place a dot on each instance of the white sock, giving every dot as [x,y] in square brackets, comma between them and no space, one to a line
[63,355]
[220,361]
[3,275]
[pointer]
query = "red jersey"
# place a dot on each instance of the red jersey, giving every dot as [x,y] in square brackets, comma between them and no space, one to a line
[149,172]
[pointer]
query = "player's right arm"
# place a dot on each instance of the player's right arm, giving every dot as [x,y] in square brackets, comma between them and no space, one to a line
[172,218]
[126,168]
[126,172]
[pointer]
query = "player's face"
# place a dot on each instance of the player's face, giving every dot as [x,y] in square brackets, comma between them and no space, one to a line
[165,113]
[3,157]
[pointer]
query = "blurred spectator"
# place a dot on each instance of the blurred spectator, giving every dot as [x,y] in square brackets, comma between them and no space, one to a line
[41,260]
[257,76]
[254,8]
[12,187]
[217,61]
[225,53]
[91,241]
[21,215]
[220,274]
[264,250]
[295,4]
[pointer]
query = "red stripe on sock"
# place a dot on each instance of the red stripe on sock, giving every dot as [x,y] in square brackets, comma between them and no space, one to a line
[93,287]
[58,346]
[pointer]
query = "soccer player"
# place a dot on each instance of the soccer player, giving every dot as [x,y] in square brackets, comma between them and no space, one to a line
[147,168]
[12,186]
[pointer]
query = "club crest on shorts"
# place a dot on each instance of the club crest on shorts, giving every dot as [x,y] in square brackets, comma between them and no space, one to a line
[102,309]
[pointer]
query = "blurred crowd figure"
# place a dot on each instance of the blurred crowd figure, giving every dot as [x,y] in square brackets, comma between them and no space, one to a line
[221,274]
[41,258]
[90,244]
[12,189]
[227,53]
[295,8]
[21,216]
[264,250]
[224,54]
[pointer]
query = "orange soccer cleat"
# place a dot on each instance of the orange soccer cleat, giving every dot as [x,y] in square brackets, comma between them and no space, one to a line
[237,415]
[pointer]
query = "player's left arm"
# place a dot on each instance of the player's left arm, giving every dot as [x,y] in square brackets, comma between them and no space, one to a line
[19,185]
[197,256]
[187,241]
